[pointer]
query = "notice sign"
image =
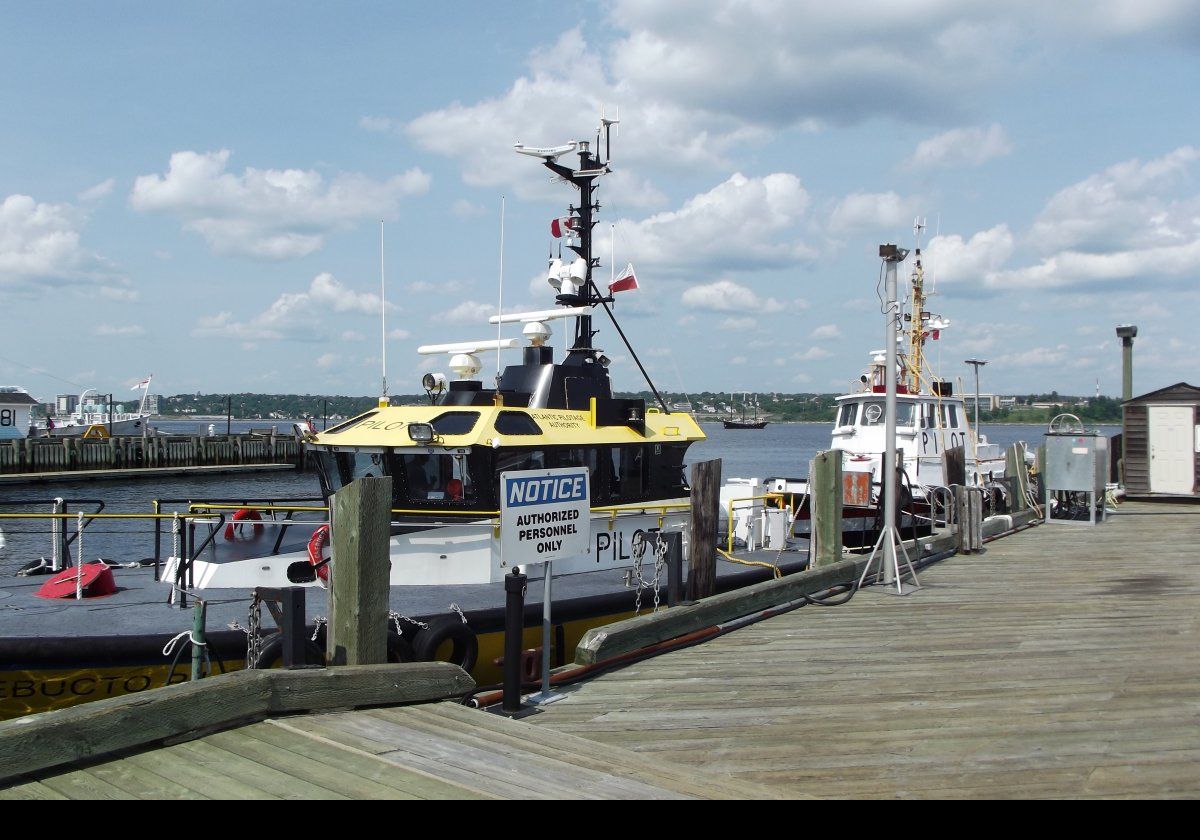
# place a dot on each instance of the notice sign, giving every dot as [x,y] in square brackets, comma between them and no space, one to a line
[544,515]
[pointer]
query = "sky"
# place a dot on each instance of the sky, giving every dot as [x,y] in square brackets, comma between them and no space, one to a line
[196,190]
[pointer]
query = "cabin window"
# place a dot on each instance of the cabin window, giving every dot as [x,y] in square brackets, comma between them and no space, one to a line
[349,424]
[455,422]
[581,457]
[517,423]
[874,413]
[353,465]
[435,478]
[846,414]
[520,459]
[953,410]
[630,476]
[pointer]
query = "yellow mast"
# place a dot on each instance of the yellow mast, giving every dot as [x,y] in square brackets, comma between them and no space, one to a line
[916,340]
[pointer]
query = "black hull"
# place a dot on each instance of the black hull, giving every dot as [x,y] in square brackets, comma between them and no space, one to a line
[739,424]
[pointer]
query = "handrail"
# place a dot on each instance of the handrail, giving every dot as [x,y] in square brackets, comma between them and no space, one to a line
[729,537]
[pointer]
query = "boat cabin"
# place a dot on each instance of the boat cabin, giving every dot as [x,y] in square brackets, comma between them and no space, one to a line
[16,407]
[449,458]
[925,425]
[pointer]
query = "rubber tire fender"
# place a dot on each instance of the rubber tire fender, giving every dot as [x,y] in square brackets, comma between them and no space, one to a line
[271,655]
[398,648]
[445,628]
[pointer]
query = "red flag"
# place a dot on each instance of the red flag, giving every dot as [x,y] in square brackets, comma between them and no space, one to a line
[564,226]
[624,281]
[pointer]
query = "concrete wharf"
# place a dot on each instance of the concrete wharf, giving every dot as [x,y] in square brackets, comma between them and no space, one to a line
[1063,661]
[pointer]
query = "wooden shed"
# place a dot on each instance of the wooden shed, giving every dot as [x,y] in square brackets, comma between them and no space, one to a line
[1161,432]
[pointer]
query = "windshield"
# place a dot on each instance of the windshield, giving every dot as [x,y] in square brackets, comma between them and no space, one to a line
[873,413]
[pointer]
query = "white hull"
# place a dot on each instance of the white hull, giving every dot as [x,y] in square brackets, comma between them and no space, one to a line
[467,553]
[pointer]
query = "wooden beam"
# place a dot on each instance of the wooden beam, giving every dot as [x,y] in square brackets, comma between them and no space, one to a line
[825,503]
[38,742]
[361,570]
[706,502]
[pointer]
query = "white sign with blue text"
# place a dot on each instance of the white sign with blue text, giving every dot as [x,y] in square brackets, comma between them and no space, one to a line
[544,515]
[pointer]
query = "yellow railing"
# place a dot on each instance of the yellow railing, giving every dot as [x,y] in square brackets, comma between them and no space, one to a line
[779,497]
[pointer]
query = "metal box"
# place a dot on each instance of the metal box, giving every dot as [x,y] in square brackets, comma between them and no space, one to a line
[1077,462]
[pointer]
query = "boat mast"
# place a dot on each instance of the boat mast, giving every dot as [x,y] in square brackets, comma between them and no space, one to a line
[917,318]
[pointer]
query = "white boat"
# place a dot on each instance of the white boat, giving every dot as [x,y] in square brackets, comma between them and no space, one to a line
[931,420]
[96,410]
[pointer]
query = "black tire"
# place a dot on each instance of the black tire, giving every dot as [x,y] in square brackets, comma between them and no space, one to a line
[448,628]
[271,655]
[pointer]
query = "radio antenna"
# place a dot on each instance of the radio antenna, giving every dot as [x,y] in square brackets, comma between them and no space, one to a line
[500,305]
[383,397]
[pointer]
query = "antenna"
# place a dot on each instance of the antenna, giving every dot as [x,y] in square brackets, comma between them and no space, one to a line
[500,305]
[383,397]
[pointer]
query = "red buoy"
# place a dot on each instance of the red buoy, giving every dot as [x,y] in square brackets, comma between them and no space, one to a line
[95,579]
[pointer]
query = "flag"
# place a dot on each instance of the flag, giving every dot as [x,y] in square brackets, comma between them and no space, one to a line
[145,383]
[564,226]
[624,281]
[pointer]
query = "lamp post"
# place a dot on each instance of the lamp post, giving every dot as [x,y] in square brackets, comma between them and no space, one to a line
[977,364]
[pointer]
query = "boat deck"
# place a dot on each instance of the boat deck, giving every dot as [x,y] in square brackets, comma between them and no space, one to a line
[1064,661]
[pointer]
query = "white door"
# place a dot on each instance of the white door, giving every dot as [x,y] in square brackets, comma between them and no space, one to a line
[1172,462]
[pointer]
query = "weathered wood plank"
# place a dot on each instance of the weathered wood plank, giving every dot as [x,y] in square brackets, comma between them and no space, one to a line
[39,742]
[358,598]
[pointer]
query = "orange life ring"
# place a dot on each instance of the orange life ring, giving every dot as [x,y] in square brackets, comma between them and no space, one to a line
[236,529]
[316,545]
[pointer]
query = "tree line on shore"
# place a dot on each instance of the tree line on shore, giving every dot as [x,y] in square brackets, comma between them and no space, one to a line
[777,407]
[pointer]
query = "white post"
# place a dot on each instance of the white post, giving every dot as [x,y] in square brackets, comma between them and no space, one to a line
[889,452]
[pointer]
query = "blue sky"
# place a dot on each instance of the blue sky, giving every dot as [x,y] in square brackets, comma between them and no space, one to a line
[195,190]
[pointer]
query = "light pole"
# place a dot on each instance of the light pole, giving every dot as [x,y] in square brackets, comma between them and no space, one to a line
[977,364]
[1127,333]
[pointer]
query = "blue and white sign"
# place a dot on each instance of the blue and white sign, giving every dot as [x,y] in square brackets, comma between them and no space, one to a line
[544,515]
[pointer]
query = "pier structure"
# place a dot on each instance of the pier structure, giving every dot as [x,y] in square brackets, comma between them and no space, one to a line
[24,460]
[1053,663]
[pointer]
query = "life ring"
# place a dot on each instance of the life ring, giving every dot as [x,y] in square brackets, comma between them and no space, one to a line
[447,628]
[236,529]
[316,554]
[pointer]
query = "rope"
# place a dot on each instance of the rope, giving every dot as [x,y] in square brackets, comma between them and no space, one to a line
[170,646]
[729,557]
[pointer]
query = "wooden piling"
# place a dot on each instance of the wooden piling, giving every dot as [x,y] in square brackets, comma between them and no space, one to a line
[706,502]
[1014,467]
[358,603]
[825,504]
[954,470]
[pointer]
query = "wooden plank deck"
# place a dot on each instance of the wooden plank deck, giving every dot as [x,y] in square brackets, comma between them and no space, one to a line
[443,751]
[1064,661]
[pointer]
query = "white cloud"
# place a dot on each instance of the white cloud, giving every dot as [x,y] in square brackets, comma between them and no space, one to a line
[728,296]
[738,324]
[296,316]
[463,209]
[267,213]
[101,190]
[327,361]
[961,147]
[469,312]
[352,335]
[40,243]
[743,223]
[110,331]
[399,334]
[813,354]
[866,212]
[827,332]
[952,260]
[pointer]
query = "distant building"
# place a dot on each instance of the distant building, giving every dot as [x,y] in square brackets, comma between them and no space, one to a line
[65,404]
[152,403]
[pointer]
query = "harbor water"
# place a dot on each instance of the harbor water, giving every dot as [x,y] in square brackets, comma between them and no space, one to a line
[781,449]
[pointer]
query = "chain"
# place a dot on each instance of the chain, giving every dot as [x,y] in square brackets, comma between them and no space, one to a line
[396,618]
[660,562]
[79,562]
[639,551]
[253,632]
[175,537]
[458,610]
[318,622]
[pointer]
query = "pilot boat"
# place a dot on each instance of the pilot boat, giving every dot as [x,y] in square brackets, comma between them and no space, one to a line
[445,459]
[931,421]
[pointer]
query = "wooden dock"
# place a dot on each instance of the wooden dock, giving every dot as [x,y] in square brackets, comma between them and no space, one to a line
[1064,661]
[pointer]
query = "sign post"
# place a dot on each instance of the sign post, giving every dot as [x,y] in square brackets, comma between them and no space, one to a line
[544,515]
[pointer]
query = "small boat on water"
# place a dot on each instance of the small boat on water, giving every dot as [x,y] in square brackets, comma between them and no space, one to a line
[98,411]
[743,422]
